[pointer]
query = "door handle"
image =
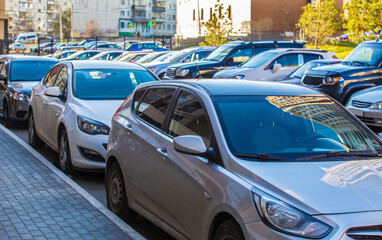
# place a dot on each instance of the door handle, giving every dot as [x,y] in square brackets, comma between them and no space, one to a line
[128,127]
[163,152]
[45,102]
[37,94]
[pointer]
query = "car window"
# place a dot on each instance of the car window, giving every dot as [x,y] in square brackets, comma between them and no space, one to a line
[3,69]
[138,96]
[51,77]
[62,79]
[154,106]
[190,118]
[310,57]
[242,54]
[287,60]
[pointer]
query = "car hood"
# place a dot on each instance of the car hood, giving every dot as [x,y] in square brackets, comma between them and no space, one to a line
[234,71]
[99,110]
[338,69]
[157,65]
[319,187]
[373,94]
[201,65]
[23,86]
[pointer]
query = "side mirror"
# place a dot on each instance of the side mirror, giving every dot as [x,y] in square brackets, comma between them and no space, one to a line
[189,144]
[276,67]
[52,92]
[2,77]
[229,61]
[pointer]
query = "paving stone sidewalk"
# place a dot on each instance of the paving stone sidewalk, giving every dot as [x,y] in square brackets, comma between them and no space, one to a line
[36,203]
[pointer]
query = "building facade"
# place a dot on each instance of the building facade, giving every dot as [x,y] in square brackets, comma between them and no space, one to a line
[34,15]
[125,17]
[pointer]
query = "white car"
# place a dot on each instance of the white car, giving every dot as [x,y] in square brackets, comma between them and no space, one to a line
[71,109]
[273,64]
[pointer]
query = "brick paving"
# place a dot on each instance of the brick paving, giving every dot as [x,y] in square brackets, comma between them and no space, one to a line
[35,203]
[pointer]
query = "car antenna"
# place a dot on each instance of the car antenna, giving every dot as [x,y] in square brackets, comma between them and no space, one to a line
[197,68]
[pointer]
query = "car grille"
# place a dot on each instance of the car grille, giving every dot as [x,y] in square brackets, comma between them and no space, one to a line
[369,232]
[171,72]
[360,104]
[367,120]
[312,80]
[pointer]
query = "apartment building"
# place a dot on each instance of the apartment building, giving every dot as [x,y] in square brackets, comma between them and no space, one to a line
[125,17]
[34,15]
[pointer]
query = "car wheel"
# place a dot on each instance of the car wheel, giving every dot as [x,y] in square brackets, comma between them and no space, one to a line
[116,194]
[7,117]
[229,230]
[65,162]
[33,139]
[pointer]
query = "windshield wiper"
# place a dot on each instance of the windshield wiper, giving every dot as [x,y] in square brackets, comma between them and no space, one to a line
[259,156]
[340,154]
[359,62]
[346,62]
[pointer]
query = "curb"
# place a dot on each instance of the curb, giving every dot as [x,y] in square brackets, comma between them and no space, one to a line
[94,202]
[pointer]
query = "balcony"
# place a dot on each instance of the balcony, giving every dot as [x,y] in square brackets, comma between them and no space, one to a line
[54,2]
[159,9]
[138,8]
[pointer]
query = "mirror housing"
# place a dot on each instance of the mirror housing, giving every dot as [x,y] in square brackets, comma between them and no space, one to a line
[190,144]
[276,67]
[52,92]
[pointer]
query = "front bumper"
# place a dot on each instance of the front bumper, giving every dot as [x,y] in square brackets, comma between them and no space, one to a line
[371,117]
[18,110]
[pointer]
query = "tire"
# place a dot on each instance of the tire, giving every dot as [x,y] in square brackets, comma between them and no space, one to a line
[33,139]
[64,161]
[116,194]
[229,230]
[7,118]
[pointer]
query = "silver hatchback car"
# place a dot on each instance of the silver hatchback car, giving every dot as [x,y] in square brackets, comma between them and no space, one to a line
[237,159]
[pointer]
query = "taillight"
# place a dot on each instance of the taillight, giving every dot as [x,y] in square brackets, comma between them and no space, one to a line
[121,106]
[132,60]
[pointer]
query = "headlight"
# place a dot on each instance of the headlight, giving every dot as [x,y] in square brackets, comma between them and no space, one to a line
[332,80]
[182,72]
[238,77]
[285,218]
[21,97]
[377,105]
[92,127]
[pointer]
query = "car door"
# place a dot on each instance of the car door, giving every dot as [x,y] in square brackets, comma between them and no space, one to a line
[289,62]
[41,101]
[3,84]
[55,107]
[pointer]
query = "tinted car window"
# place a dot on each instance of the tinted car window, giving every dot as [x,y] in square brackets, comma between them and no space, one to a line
[137,97]
[242,54]
[310,57]
[3,69]
[288,60]
[30,70]
[154,106]
[189,118]
[62,79]
[51,77]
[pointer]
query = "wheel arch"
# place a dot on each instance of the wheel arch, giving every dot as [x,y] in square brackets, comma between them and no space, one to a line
[219,219]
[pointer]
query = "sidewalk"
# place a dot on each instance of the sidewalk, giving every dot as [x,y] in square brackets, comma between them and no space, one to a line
[37,201]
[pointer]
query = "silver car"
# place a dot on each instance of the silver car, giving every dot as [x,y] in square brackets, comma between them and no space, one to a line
[237,159]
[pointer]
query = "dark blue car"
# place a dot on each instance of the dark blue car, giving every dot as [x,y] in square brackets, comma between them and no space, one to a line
[145,46]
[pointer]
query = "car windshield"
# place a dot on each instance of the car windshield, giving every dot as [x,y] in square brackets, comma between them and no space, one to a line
[97,84]
[127,58]
[179,55]
[219,53]
[165,56]
[291,128]
[307,66]
[259,59]
[30,70]
[148,57]
[366,54]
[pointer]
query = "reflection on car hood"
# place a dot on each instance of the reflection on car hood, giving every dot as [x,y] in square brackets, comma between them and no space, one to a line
[371,95]
[319,187]
[339,68]
[234,71]
[99,110]
[24,86]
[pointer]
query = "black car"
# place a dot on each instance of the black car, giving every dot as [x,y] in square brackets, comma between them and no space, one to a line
[18,75]
[360,69]
[227,55]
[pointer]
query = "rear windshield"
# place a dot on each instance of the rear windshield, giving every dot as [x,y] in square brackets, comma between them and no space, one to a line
[30,70]
[96,84]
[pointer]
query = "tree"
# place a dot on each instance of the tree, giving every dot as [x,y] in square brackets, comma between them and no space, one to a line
[66,19]
[219,26]
[319,20]
[360,17]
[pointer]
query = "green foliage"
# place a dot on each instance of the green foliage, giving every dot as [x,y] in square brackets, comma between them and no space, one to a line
[360,17]
[218,27]
[319,20]
[341,48]
[66,19]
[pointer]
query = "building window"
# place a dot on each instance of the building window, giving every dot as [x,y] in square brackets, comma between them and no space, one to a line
[193,14]
[122,25]
[168,27]
[122,13]
[122,2]
[173,28]
[173,17]
[202,14]
[128,13]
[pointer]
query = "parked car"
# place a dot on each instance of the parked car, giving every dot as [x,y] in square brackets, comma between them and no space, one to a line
[18,74]
[105,46]
[73,44]
[64,54]
[145,46]
[86,41]
[238,159]
[296,76]
[42,46]
[71,109]
[273,64]
[81,55]
[226,56]
[89,45]
[18,47]
[109,55]
[359,70]
[54,48]
[69,48]
[27,37]
[344,37]
[150,57]
[187,55]
[132,57]
[367,106]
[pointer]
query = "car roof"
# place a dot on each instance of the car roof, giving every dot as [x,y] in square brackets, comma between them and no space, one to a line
[20,57]
[89,64]
[234,87]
